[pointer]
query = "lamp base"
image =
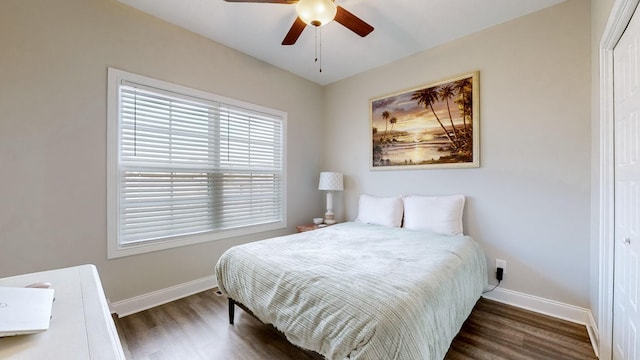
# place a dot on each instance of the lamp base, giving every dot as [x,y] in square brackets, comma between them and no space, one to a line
[329,219]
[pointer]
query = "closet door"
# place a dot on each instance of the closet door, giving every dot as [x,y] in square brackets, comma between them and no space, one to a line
[626,317]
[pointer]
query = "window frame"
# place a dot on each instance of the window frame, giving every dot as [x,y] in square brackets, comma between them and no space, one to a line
[114,248]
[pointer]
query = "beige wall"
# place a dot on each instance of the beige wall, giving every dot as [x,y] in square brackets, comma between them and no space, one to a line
[53,80]
[529,201]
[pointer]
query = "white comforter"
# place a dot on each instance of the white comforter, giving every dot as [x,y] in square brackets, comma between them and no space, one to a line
[357,291]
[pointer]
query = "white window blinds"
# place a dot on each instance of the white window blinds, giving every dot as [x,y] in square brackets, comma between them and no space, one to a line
[190,165]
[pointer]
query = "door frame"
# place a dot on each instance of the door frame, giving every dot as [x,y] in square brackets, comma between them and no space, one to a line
[619,17]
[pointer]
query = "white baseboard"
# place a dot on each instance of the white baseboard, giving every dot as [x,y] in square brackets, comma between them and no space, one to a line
[553,308]
[537,304]
[594,334]
[163,296]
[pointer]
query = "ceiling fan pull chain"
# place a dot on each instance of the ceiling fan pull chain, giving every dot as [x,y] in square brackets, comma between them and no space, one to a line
[320,50]
[318,47]
[315,47]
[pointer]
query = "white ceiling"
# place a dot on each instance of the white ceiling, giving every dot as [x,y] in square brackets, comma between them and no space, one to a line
[402,28]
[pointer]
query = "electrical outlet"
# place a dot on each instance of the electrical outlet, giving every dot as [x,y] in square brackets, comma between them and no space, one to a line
[502,264]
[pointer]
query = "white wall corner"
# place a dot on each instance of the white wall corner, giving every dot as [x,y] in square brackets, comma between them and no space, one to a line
[552,308]
[146,301]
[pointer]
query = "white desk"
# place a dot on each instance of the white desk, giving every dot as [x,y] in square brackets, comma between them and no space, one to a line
[81,325]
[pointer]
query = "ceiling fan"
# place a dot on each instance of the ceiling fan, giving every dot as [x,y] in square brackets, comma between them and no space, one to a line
[317,13]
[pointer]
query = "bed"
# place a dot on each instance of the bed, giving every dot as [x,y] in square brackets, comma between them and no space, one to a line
[359,291]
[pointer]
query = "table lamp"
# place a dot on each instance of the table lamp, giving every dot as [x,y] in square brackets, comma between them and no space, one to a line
[330,181]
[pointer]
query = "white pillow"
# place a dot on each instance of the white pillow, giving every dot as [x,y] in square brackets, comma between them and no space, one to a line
[441,214]
[385,211]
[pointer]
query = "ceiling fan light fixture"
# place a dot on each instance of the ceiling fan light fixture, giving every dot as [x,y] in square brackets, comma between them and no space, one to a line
[316,12]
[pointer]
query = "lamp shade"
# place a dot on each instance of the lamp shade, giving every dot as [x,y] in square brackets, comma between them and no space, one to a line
[331,181]
[316,12]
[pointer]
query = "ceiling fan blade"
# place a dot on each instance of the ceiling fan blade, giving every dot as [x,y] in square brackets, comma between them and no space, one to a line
[265,1]
[294,33]
[352,22]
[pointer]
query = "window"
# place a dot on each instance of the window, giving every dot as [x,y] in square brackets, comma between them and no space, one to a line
[185,166]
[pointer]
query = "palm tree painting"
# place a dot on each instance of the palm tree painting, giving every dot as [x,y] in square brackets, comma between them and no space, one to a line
[433,126]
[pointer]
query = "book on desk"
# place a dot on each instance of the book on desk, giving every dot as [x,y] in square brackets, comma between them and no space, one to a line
[24,311]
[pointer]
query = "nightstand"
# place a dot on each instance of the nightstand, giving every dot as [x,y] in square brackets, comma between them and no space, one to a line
[309,227]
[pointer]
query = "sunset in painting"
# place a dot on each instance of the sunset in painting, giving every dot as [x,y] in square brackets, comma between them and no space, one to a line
[425,126]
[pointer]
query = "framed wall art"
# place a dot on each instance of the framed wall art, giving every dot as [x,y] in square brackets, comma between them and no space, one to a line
[431,126]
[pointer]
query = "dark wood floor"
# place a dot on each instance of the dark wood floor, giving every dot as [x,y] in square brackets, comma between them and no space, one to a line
[197,327]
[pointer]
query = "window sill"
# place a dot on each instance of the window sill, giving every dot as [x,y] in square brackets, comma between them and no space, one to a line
[116,250]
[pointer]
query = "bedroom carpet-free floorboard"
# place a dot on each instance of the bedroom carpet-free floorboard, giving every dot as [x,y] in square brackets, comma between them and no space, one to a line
[196,327]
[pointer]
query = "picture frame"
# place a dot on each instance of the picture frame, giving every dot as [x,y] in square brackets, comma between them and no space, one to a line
[426,127]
